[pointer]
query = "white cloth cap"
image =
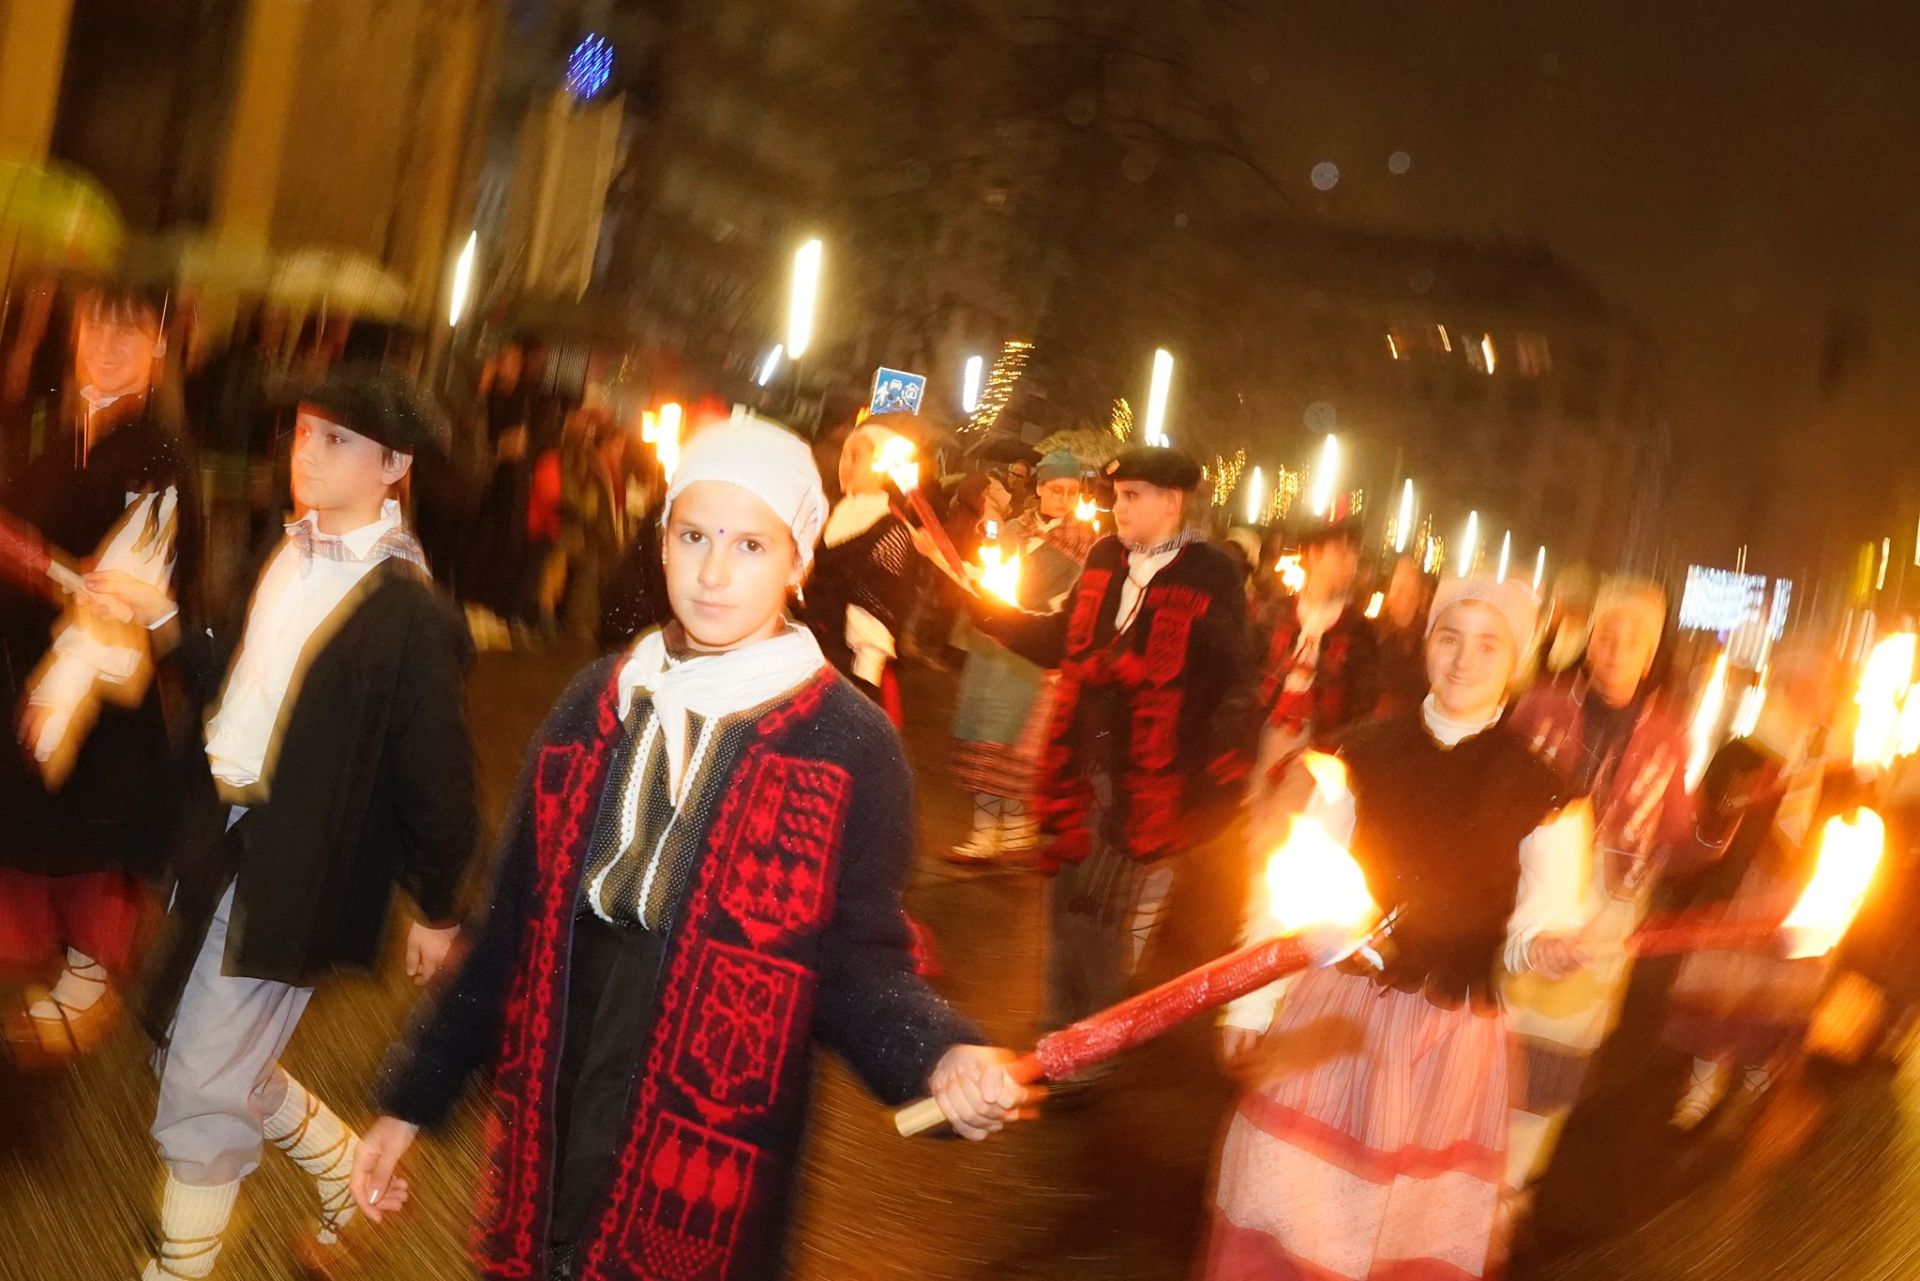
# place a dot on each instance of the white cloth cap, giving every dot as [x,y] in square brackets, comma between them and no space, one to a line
[767,461]
[1512,598]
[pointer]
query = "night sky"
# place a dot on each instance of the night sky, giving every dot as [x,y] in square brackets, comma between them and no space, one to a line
[1743,178]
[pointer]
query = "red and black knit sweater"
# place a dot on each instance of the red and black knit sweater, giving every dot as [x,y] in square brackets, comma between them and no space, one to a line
[792,931]
[1166,708]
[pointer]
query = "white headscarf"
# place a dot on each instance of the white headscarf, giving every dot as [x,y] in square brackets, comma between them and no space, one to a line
[767,461]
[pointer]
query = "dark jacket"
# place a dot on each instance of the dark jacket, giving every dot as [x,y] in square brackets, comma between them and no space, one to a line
[1345,679]
[792,932]
[119,807]
[372,786]
[1166,708]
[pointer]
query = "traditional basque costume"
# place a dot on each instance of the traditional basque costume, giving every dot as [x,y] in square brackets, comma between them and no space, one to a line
[700,878]
[1372,1143]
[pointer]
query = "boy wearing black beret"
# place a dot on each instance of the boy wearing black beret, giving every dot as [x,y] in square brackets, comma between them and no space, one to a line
[338,767]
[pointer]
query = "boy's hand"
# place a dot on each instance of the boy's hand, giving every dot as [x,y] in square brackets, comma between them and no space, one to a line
[427,950]
[975,1091]
[375,1190]
[1556,956]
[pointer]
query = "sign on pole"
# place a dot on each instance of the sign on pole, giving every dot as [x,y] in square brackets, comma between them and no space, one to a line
[895,391]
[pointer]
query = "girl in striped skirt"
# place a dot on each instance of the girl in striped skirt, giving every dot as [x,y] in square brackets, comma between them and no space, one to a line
[1371,1141]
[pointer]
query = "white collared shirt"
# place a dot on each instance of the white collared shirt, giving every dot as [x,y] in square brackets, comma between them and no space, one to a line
[295,596]
[1141,567]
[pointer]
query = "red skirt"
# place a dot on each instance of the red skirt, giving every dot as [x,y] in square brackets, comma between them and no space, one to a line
[95,912]
[1375,1147]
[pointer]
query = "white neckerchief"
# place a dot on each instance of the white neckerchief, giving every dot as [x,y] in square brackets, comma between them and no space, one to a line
[853,516]
[1448,732]
[709,686]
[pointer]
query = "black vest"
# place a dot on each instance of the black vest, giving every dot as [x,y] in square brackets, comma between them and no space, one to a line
[1438,831]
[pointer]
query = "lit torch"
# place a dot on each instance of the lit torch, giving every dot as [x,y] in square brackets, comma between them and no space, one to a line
[1849,853]
[1086,511]
[897,460]
[999,572]
[1884,685]
[1313,884]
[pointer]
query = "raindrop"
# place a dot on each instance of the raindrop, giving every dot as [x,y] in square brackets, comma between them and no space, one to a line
[1325,175]
[1399,162]
[1320,417]
[1179,220]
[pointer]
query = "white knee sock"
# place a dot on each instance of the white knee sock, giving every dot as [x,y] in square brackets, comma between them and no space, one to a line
[1148,908]
[192,1220]
[81,983]
[321,1144]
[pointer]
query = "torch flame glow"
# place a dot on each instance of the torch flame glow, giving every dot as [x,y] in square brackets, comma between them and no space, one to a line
[1313,881]
[1850,851]
[1000,573]
[896,457]
[1085,510]
[1885,685]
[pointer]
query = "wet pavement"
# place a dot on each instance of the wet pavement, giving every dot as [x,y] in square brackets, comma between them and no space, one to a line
[1821,1181]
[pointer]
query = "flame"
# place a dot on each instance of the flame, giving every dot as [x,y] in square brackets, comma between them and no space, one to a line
[1311,881]
[1000,573]
[1329,774]
[1706,721]
[1085,510]
[1293,575]
[1886,687]
[896,457]
[1374,603]
[1850,849]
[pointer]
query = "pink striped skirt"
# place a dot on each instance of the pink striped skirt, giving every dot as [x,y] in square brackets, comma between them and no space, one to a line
[1374,1147]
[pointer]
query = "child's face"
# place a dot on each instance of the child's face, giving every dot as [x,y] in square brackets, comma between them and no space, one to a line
[1470,659]
[730,564]
[337,469]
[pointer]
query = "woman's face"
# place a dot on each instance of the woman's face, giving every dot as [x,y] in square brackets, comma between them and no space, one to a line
[730,564]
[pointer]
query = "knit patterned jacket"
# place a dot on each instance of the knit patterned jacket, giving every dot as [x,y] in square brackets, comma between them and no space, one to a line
[1165,708]
[792,931]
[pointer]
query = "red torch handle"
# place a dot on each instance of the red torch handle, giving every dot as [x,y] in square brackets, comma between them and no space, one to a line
[25,557]
[1133,1022]
[1672,935]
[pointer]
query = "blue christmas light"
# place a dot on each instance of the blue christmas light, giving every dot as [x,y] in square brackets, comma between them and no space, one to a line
[589,67]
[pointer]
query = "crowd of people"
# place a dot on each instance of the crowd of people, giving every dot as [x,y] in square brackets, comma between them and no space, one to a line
[700,872]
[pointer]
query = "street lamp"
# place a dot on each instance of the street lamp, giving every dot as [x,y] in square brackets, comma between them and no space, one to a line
[1256,486]
[1539,570]
[970,383]
[1466,543]
[1403,529]
[463,280]
[1323,476]
[1506,553]
[806,293]
[771,365]
[1154,425]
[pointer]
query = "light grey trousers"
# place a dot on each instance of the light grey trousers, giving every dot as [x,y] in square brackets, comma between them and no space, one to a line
[220,1076]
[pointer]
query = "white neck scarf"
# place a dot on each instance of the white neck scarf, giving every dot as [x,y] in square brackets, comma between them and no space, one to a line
[711,685]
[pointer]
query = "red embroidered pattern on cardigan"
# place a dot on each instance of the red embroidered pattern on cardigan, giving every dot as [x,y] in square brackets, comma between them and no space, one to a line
[686,1228]
[508,1228]
[1154,789]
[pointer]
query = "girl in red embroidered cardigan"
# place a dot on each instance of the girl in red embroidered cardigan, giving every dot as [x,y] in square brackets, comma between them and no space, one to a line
[701,877]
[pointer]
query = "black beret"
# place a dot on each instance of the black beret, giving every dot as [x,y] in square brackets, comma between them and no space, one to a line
[1156,465]
[381,404]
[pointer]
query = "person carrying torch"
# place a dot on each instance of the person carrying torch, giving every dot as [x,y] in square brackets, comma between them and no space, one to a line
[1372,1133]
[1152,731]
[699,880]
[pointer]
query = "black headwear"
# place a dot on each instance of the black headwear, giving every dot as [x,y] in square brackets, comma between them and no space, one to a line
[1345,530]
[1156,465]
[381,404]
